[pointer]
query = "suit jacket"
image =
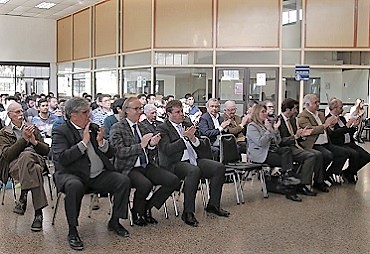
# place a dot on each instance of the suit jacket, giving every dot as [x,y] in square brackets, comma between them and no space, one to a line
[234,127]
[127,151]
[10,149]
[171,146]
[207,128]
[337,132]
[305,119]
[286,138]
[68,158]
[259,141]
[151,127]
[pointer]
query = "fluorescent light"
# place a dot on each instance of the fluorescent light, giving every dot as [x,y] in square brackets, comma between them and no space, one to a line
[3,1]
[44,5]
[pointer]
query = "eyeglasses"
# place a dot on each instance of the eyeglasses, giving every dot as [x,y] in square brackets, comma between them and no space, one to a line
[137,108]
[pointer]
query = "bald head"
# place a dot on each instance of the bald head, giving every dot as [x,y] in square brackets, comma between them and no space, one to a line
[230,108]
[15,113]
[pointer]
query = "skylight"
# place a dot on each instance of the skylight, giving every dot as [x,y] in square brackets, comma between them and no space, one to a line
[44,5]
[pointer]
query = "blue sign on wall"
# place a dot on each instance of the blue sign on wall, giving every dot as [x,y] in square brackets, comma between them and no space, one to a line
[302,72]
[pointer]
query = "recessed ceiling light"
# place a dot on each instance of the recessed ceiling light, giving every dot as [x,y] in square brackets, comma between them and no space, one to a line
[44,5]
[3,1]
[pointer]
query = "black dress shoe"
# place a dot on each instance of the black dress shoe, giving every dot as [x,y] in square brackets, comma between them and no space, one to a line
[321,187]
[217,210]
[149,218]
[139,220]
[190,219]
[75,242]
[293,197]
[118,229]
[305,191]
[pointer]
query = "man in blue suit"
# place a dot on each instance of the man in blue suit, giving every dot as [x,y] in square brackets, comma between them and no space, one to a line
[212,125]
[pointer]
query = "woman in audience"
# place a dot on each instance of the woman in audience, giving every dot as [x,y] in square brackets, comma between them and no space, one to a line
[263,138]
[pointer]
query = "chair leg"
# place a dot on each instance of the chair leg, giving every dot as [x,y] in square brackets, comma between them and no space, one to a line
[50,188]
[56,208]
[130,215]
[92,197]
[240,187]
[207,189]
[263,183]
[165,210]
[202,192]
[14,193]
[4,188]
[174,204]
[236,189]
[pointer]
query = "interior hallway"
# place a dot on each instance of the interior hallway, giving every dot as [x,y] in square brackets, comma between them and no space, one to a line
[334,222]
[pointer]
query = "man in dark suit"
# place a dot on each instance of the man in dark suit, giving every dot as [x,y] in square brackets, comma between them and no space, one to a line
[132,141]
[180,151]
[342,135]
[319,140]
[311,160]
[151,122]
[81,159]
[212,125]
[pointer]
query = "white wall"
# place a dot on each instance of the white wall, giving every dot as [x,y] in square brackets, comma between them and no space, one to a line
[26,39]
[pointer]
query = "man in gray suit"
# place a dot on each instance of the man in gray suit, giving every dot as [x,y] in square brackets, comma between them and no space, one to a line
[132,141]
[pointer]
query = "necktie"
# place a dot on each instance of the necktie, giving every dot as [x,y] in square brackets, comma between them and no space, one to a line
[191,152]
[142,156]
[290,129]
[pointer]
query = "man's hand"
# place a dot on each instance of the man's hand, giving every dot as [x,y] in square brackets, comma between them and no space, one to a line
[330,121]
[226,123]
[190,133]
[86,134]
[245,120]
[155,139]
[27,132]
[100,136]
[306,132]
[145,139]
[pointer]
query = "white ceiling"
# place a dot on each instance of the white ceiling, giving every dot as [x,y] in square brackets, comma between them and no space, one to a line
[26,8]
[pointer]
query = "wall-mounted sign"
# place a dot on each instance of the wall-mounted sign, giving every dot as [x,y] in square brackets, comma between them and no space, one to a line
[302,72]
[261,79]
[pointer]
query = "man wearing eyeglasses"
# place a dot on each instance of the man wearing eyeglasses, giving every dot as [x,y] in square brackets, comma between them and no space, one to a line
[132,141]
[21,149]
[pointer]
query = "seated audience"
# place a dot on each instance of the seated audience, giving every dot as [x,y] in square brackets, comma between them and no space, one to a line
[341,134]
[358,111]
[45,120]
[310,160]
[180,152]
[193,111]
[237,125]
[21,149]
[82,165]
[112,119]
[103,111]
[319,140]
[263,140]
[131,141]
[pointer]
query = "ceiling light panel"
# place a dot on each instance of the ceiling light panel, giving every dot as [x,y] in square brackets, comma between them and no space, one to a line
[45,5]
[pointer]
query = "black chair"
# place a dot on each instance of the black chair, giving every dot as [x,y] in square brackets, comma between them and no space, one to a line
[4,189]
[231,158]
[230,172]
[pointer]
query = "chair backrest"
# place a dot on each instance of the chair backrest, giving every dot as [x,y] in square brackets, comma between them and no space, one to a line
[207,151]
[228,149]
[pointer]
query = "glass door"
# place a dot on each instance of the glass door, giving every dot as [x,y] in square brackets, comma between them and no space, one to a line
[244,85]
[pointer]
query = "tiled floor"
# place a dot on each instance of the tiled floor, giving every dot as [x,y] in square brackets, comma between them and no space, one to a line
[335,222]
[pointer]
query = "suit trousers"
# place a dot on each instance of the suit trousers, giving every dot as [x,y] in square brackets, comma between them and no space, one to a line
[111,182]
[335,154]
[358,157]
[191,174]
[282,157]
[311,164]
[143,179]
[27,169]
